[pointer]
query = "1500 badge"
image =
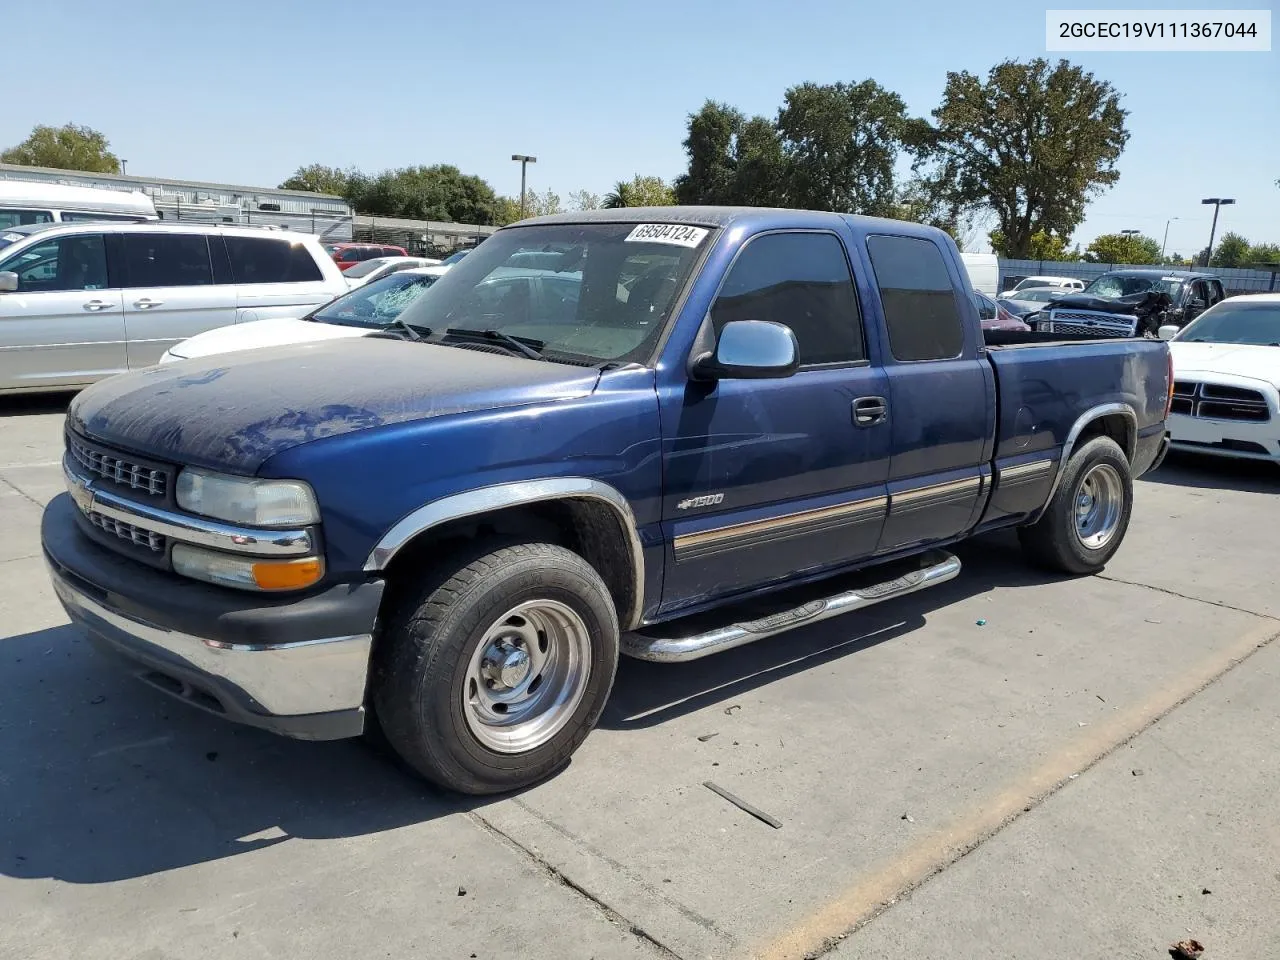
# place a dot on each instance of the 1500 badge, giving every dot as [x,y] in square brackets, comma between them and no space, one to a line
[710,500]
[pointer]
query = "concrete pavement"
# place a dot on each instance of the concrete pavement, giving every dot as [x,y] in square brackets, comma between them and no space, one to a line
[889,744]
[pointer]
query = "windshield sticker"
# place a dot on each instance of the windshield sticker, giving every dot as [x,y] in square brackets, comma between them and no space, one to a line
[670,233]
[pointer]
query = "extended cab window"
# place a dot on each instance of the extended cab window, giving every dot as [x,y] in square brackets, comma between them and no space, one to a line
[18,218]
[65,263]
[167,260]
[801,280]
[920,307]
[268,260]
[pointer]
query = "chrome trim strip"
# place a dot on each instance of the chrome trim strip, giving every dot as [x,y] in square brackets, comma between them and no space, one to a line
[940,490]
[185,528]
[941,567]
[869,506]
[313,676]
[501,496]
[1023,471]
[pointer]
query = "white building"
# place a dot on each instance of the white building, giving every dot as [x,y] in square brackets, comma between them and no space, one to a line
[326,216]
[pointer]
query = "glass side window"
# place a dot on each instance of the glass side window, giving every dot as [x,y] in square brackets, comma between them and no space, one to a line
[64,263]
[167,260]
[269,260]
[801,280]
[18,218]
[921,312]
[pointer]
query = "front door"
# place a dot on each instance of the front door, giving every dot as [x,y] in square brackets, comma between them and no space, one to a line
[171,293]
[64,325]
[941,394]
[771,480]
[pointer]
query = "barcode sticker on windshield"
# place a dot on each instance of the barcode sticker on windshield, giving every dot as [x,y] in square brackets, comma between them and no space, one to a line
[672,233]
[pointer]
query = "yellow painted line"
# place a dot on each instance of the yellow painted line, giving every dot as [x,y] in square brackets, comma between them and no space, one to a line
[873,892]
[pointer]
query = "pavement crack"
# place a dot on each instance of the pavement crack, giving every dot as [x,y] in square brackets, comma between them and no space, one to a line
[19,491]
[555,874]
[1184,596]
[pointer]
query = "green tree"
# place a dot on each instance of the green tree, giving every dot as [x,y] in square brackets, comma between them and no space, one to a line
[1044,246]
[318,178]
[732,160]
[1123,248]
[842,142]
[584,200]
[1032,144]
[1264,253]
[439,192]
[1232,251]
[639,192]
[68,147]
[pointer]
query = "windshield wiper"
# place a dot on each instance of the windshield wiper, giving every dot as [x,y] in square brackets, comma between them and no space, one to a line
[414,333]
[523,345]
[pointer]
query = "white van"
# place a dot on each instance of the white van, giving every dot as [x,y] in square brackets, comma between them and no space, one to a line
[984,272]
[83,301]
[25,202]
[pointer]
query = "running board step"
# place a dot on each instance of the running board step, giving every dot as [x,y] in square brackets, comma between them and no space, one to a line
[697,637]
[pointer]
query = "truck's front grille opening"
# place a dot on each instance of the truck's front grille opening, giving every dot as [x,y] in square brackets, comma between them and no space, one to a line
[1213,401]
[127,531]
[119,469]
[180,688]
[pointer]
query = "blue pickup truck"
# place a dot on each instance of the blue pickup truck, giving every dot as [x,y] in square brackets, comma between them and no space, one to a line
[715,426]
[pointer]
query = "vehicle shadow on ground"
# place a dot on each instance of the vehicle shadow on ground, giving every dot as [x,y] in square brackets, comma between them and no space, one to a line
[104,779]
[1189,470]
[34,404]
[647,694]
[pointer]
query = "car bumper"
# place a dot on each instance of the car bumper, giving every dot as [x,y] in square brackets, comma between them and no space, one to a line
[1225,438]
[297,667]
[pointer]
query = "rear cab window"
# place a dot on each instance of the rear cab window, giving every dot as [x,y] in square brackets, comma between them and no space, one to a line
[921,310]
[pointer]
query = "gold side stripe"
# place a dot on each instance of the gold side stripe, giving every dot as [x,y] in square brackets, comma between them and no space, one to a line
[940,489]
[870,505]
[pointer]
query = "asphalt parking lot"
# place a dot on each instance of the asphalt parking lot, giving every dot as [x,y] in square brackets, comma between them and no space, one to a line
[1005,766]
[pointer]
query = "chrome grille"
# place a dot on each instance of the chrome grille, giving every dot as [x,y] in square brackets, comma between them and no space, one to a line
[1211,401]
[118,469]
[1090,324]
[1058,326]
[127,531]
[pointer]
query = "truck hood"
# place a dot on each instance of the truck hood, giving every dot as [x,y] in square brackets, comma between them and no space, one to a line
[1137,304]
[235,411]
[262,333]
[1233,359]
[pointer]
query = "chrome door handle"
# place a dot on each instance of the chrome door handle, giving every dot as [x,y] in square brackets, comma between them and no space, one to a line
[868,411]
[146,303]
[96,305]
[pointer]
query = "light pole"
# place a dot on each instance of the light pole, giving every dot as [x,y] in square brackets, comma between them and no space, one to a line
[1165,242]
[524,164]
[1218,203]
[124,167]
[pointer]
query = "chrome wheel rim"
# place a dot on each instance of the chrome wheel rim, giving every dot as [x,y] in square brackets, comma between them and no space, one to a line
[1099,505]
[527,676]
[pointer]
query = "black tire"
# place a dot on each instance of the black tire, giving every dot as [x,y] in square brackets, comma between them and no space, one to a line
[424,663]
[1054,541]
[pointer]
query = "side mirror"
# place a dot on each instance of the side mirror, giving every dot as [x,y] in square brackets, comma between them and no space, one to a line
[8,281]
[1168,331]
[750,350]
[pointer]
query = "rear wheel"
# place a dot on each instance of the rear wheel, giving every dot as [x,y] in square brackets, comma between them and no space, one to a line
[492,674]
[1088,516]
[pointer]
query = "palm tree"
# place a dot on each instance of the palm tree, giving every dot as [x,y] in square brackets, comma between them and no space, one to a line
[619,196]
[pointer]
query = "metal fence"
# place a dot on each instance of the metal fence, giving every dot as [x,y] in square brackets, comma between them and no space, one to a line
[422,238]
[1235,281]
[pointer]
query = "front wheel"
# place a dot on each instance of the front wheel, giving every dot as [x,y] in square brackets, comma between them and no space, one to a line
[1086,520]
[491,675]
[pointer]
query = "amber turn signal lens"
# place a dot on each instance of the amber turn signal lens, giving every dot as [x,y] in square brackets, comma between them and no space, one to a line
[287,574]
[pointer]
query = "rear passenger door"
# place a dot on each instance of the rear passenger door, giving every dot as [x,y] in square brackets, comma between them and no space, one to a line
[170,293]
[275,277]
[941,394]
[771,480]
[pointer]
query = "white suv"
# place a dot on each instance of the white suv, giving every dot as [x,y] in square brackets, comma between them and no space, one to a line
[79,302]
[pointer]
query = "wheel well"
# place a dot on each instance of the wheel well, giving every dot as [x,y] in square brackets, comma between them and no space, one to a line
[1114,425]
[590,528]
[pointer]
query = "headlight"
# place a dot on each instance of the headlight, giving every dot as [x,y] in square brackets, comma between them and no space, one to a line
[245,501]
[245,573]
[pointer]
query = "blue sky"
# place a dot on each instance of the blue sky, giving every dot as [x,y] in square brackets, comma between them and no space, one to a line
[245,92]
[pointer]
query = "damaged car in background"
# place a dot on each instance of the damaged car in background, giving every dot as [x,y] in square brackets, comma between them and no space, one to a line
[1130,303]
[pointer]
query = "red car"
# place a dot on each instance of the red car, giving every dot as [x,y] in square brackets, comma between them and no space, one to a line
[347,255]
